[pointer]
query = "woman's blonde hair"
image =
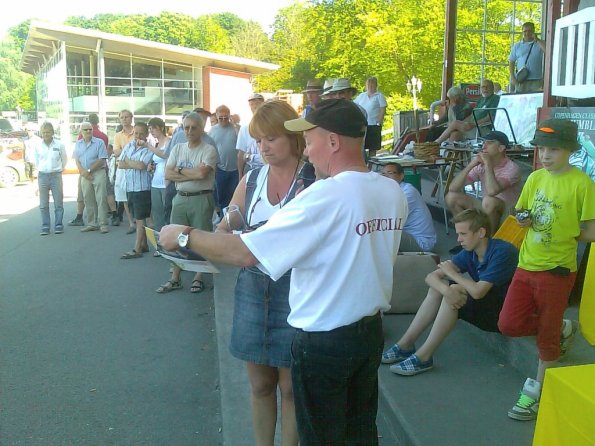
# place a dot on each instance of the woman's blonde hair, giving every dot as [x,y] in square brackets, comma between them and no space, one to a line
[268,120]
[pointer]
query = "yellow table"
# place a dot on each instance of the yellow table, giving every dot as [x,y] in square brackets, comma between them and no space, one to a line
[567,408]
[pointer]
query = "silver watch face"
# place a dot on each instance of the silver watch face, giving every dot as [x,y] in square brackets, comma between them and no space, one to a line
[183,240]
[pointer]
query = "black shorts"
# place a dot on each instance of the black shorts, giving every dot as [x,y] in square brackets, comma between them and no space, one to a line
[139,204]
[373,137]
[483,313]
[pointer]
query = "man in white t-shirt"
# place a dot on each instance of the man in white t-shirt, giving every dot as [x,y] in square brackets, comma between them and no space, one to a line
[375,104]
[248,154]
[340,238]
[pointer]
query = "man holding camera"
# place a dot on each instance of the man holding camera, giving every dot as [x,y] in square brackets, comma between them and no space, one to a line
[525,62]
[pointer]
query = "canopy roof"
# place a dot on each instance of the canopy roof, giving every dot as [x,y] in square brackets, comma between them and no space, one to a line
[44,39]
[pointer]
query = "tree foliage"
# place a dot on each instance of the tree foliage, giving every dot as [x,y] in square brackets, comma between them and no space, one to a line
[391,39]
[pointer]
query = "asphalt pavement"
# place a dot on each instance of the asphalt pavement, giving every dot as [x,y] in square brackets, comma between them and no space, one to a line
[89,353]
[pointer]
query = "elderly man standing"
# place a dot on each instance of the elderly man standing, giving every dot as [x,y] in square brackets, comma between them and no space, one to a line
[50,159]
[120,140]
[313,91]
[226,177]
[191,166]
[134,159]
[351,218]
[460,129]
[374,103]
[90,155]
[528,53]
[248,154]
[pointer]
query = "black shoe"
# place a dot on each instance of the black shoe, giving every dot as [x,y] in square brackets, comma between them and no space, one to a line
[455,250]
[76,222]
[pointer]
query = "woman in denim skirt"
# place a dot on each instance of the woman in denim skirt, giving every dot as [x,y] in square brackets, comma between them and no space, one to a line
[261,335]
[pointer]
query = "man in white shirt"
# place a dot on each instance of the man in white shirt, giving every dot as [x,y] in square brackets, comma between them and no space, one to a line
[248,154]
[349,218]
[50,159]
[374,103]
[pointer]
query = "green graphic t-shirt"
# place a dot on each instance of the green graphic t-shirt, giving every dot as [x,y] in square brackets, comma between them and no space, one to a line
[558,204]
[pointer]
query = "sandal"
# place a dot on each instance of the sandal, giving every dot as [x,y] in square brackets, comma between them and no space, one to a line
[168,286]
[131,255]
[197,286]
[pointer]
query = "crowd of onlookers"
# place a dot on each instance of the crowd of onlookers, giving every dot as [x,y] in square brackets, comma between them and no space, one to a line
[190,180]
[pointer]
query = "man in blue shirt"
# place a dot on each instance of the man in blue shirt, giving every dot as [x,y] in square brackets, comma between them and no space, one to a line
[478,300]
[90,154]
[528,52]
[419,233]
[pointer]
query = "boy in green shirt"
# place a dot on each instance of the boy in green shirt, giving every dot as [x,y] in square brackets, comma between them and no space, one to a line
[561,204]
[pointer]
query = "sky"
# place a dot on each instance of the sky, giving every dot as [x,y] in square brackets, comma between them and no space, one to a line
[261,11]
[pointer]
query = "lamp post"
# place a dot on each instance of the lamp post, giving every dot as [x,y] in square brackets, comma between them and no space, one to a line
[413,87]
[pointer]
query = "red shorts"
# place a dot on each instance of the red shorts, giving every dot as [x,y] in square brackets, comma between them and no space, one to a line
[534,306]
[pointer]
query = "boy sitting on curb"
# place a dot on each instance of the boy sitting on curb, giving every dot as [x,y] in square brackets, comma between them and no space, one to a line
[477,300]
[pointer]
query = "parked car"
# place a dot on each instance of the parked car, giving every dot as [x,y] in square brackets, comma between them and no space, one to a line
[12,149]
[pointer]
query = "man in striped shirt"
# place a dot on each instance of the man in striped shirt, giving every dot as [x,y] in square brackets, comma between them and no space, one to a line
[135,159]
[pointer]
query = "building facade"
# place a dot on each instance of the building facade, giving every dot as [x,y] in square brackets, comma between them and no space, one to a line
[80,71]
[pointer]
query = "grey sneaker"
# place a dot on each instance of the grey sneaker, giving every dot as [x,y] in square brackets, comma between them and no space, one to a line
[44,232]
[396,354]
[59,229]
[566,341]
[525,408]
[89,228]
[527,405]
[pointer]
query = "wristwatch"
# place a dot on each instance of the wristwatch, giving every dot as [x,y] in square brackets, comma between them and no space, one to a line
[184,237]
[88,170]
[180,169]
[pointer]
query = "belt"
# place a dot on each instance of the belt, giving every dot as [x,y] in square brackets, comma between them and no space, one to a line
[346,328]
[193,194]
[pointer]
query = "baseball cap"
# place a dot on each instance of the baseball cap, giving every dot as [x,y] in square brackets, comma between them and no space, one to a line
[254,96]
[335,115]
[497,136]
[560,133]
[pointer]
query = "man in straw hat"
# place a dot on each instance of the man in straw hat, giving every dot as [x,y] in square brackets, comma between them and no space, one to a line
[559,210]
[338,342]
[313,91]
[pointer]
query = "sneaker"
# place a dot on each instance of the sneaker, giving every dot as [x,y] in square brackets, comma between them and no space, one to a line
[104,230]
[525,408]
[89,228]
[396,354]
[412,366]
[59,229]
[527,405]
[44,232]
[76,222]
[570,328]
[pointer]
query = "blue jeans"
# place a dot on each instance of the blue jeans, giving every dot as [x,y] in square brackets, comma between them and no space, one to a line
[335,383]
[50,182]
[225,185]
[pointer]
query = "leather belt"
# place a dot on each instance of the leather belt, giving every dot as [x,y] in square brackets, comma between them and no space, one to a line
[193,194]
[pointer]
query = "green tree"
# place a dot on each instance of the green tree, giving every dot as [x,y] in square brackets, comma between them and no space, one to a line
[15,86]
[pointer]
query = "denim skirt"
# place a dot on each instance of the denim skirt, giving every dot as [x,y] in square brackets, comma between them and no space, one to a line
[260,332]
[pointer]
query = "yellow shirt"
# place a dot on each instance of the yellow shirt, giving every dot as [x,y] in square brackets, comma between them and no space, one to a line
[558,204]
[121,139]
